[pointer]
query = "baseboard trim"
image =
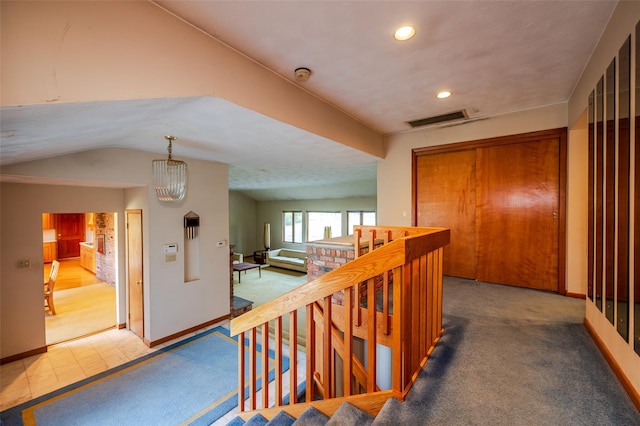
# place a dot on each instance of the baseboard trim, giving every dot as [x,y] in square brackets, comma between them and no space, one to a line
[151,344]
[576,295]
[624,380]
[43,349]
[27,354]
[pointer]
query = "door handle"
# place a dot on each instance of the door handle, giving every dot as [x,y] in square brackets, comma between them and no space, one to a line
[139,282]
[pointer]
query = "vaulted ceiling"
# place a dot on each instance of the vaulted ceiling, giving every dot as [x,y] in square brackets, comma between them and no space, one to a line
[495,57]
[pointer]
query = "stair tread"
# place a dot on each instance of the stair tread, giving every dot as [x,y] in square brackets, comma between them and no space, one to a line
[257,420]
[236,421]
[348,414]
[388,415]
[312,417]
[282,419]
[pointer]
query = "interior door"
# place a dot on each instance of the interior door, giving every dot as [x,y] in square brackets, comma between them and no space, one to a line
[134,271]
[502,199]
[517,198]
[446,197]
[70,230]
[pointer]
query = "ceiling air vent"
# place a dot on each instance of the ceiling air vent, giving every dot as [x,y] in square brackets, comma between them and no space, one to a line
[457,115]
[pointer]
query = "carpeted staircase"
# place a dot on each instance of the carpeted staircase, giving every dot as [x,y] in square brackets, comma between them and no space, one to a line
[347,414]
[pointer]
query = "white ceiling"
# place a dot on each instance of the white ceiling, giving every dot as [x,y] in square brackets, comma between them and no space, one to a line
[495,56]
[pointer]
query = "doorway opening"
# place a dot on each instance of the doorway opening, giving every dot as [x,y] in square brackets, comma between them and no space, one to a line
[85,289]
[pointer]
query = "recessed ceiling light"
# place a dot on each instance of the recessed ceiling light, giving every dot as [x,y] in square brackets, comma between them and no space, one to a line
[404,33]
[444,94]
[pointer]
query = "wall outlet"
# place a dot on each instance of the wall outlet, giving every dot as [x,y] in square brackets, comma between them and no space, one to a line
[24,264]
[170,257]
[221,243]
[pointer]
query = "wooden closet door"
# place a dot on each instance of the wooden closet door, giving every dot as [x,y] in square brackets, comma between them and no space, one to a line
[446,196]
[517,211]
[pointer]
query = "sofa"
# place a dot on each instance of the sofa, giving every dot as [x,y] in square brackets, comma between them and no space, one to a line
[295,260]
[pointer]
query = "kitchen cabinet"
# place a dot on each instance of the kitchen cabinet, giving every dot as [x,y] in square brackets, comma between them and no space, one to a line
[88,257]
[50,251]
[48,221]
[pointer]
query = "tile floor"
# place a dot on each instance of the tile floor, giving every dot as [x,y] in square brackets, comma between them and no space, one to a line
[69,362]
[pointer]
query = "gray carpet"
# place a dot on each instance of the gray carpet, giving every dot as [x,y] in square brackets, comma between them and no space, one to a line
[513,356]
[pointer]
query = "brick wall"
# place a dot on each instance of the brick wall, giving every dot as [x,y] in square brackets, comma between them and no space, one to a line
[105,262]
[324,258]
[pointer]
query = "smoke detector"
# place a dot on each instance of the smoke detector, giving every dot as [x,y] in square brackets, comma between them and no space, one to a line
[302,74]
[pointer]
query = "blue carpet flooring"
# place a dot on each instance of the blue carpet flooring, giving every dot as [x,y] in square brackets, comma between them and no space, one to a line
[193,382]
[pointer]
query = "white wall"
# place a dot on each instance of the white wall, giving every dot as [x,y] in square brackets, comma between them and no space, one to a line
[171,305]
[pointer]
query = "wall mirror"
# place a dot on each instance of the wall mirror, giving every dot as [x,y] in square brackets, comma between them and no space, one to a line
[591,211]
[610,189]
[622,294]
[599,193]
[636,266]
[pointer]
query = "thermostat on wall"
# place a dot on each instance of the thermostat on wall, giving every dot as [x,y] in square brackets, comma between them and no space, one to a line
[171,248]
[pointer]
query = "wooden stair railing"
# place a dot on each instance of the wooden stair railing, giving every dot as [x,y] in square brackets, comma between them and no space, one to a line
[390,296]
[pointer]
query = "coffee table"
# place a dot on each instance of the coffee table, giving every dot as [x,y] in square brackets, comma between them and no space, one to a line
[245,266]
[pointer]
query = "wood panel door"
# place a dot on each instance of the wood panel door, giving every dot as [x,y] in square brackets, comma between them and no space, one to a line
[446,197]
[502,198]
[134,272]
[517,198]
[70,229]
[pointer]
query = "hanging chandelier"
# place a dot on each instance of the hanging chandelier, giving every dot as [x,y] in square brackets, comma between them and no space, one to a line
[170,177]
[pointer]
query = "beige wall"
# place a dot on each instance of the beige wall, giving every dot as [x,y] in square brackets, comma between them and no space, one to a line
[394,172]
[577,183]
[60,67]
[22,314]
[622,24]
[170,304]
[49,56]
[243,226]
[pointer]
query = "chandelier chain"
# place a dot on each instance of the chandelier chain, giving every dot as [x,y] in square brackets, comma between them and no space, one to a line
[170,139]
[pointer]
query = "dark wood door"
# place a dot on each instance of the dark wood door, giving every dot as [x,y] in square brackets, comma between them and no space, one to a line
[70,230]
[517,199]
[446,197]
